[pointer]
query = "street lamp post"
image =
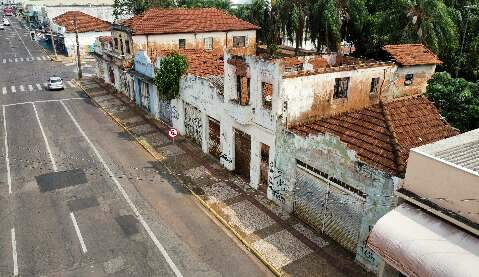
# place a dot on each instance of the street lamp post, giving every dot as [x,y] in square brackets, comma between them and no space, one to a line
[80,75]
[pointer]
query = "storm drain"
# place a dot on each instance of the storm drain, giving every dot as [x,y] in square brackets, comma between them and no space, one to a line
[82,203]
[128,224]
[58,180]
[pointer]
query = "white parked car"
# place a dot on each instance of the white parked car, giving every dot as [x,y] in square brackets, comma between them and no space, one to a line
[55,83]
[6,22]
[1,27]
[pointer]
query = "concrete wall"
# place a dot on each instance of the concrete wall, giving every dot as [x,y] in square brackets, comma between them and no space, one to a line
[221,40]
[312,96]
[123,39]
[445,180]
[422,73]
[328,154]
[87,42]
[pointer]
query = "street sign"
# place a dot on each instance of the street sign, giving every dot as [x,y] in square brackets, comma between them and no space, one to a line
[172,133]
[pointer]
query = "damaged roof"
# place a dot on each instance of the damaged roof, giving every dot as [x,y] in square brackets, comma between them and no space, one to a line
[185,20]
[201,63]
[85,22]
[411,54]
[105,39]
[383,134]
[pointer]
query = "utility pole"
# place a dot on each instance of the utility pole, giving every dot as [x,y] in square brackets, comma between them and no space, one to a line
[80,75]
[53,43]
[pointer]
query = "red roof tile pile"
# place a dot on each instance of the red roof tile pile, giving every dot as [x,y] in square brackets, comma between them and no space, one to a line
[201,62]
[411,54]
[85,22]
[183,20]
[105,39]
[382,135]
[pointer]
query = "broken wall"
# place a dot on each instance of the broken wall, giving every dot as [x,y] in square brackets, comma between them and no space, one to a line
[311,96]
[399,87]
[329,155]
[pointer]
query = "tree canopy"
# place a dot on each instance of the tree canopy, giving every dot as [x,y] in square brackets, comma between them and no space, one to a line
[456,99]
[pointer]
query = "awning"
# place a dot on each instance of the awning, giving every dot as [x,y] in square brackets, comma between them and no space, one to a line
[419,244]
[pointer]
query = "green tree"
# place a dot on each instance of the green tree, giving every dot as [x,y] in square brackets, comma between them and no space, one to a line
[220,4]
[167,77]
[136,7]
[456,99]
[324,24]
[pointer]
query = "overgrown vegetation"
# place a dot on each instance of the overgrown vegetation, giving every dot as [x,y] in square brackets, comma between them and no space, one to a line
[167,77]
[457,100]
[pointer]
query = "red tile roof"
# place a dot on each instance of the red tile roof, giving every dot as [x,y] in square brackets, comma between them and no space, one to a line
[201,62]
[411,54]
[382,135]
[85,22]
[182,20]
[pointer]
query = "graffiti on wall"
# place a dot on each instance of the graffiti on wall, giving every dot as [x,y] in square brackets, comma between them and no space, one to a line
[165,111]
[193,123]
[124,83]
[276,183]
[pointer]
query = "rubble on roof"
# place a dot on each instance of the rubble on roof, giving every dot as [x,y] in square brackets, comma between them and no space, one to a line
[412,54]
[85,22]
[382,135]
[105,39]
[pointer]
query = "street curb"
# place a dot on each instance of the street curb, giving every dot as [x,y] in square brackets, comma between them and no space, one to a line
[150,149]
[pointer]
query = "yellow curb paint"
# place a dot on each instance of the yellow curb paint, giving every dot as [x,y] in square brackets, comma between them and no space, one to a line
[145,145]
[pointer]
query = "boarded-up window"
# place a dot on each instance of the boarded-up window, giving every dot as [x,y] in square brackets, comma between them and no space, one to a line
[374,86]
[208,43]
[239,41]
[267,90]
[182,43]
[341,88]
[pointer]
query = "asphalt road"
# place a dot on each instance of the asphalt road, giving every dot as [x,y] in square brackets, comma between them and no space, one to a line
[79,198]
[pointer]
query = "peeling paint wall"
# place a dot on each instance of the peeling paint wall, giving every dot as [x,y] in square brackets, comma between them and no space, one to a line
[221,40]
[312,96]
[193,124]
[329,155]
[123,39]
[422,74]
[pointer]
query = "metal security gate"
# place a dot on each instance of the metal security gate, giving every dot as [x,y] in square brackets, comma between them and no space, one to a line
[328,208]
[193,124]
[164,111]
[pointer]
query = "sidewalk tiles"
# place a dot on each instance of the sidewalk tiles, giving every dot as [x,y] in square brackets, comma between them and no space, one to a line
[281,241]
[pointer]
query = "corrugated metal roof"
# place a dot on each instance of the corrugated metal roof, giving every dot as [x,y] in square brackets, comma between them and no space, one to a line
[465,155]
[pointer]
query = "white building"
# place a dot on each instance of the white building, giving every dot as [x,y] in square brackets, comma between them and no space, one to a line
[88,27]
[434,232]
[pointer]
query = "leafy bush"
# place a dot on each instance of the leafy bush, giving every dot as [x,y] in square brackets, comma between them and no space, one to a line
[167,77]
[456,99]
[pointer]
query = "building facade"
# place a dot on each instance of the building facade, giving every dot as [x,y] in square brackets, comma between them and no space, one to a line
[89,28]
[326,137]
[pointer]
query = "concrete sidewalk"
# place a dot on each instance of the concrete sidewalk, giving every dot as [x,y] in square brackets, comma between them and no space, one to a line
[282,242]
